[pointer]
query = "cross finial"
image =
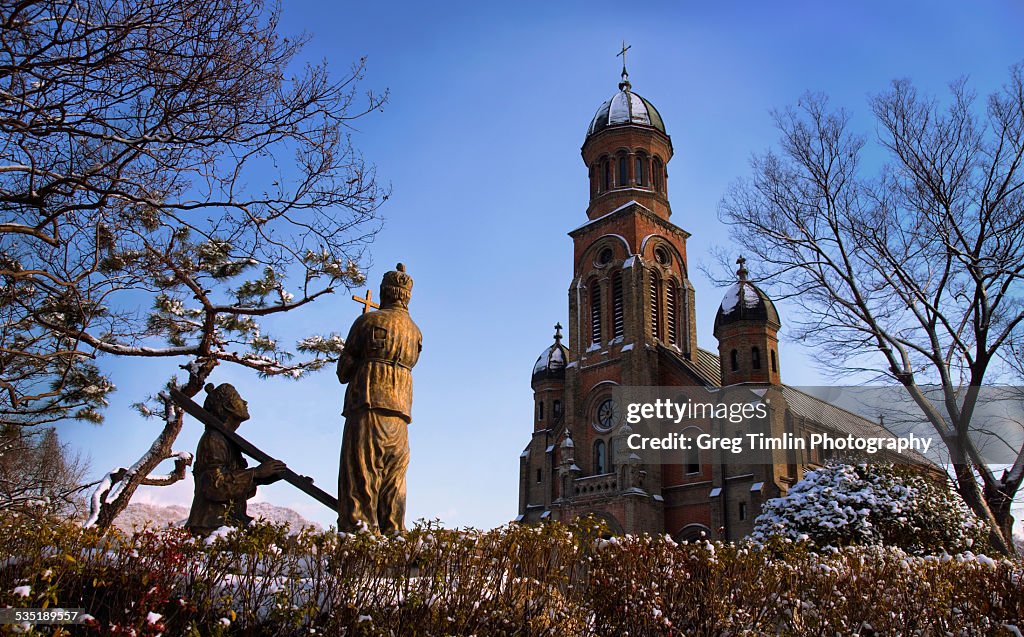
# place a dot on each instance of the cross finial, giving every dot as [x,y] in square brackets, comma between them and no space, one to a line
[624,85]
[367,302]
[742,272]
[558,332]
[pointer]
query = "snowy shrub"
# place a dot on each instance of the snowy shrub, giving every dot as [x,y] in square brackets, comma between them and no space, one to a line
[649,586]
[551,580]
[842,504]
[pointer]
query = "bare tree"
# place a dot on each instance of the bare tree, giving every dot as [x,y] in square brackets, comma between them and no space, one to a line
[38,474]
[913,273]
[170,176]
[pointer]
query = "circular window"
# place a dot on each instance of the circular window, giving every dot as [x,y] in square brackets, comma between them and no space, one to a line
[662,256]
[604,257]
[607,415]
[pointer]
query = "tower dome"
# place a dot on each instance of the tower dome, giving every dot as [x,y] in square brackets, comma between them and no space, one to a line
[744,301]
[551,362]
[626,107]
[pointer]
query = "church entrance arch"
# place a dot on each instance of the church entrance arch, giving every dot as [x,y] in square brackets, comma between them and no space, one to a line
[614,526]
[692,533]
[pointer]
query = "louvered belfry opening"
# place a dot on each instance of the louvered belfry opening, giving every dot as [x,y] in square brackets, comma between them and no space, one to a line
[671,313]
[618,311]
[595,312]
[655,308]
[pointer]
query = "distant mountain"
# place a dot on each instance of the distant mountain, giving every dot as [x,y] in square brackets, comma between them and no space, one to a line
[138,514]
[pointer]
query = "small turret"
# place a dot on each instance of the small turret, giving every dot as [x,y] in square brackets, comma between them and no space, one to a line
[747,326]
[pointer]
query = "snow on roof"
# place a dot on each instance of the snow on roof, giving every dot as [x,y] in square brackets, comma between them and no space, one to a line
[551,358]
[740,292]
[717,491]
[631,202]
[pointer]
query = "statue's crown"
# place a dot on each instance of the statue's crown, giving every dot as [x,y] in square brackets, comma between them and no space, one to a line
[397,278]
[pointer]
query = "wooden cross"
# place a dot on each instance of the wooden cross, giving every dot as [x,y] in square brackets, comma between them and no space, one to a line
[303,483]
[367,302]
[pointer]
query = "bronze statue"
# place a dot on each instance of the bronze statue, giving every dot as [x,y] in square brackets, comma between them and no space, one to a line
[380,352]
[223,481]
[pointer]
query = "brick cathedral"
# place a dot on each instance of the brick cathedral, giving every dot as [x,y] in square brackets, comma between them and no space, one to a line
[632,322]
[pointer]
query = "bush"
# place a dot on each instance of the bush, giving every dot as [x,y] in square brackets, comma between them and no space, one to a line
[515,580]
[840,505]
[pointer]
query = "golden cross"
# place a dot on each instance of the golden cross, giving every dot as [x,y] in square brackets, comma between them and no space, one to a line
[367,302]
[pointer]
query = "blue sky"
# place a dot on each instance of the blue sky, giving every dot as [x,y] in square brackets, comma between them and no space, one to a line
[480,142]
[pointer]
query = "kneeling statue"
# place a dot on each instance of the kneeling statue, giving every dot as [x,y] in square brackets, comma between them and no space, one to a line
[223,480]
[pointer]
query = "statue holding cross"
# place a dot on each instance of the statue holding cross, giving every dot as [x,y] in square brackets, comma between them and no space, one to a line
[223,479]
[381,349]
[367,302]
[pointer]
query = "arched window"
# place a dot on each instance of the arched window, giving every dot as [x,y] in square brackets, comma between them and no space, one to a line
[606,174]
[611,455]
[618,315]
[655,307]
[755,358]
[600,460]
[639,172]
[540,410]
[556,411]
[692,460]
[671,312]
[595,312]
[734,360]
[775,365]
[656,174]
[622,178]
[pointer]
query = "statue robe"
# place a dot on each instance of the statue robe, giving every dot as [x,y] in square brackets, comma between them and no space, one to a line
[380,352]
[223,484]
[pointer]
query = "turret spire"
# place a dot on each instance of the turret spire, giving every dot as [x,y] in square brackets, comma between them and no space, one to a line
[624,85]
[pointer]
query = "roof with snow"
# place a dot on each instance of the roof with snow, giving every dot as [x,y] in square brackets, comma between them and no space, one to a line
[626,107]
[551,362]
[744,301]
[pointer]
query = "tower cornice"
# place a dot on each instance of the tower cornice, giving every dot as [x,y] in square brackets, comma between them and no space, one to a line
[627,209]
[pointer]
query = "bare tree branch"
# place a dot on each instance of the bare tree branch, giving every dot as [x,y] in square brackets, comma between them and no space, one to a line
[914,274]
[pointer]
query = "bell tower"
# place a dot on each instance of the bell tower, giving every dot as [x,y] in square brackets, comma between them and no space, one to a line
[630,287]
[631,323]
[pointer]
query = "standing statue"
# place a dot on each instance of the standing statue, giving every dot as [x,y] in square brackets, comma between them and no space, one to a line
[380,352]
[223,481]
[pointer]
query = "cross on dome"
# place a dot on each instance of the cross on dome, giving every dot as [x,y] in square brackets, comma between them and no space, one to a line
[624,85]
